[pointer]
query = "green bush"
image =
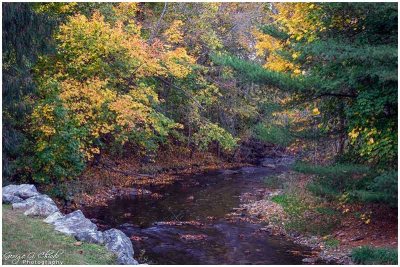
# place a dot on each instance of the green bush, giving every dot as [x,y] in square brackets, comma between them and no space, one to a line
[382,189]
[360,182]
[332,181]
[275,134]
[369,255]
[337,170]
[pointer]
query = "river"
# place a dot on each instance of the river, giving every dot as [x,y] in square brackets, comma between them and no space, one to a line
[190,223]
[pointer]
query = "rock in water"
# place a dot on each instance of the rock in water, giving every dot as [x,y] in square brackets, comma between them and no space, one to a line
[95,237]
[53,217]
[40,205]
[74,223]
[117,242]
[23,191]
[229,172]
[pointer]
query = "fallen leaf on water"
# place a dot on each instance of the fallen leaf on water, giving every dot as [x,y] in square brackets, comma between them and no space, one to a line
[193,237]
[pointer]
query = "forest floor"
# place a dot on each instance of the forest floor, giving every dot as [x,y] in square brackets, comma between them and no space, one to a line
[333,230]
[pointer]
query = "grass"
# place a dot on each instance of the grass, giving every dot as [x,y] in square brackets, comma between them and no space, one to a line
[332,243]
[274,182]
[369,255]
[291,204]
[307,217]
[23,235]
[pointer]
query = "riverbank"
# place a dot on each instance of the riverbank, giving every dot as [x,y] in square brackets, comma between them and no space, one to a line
[24,235]
[113,177]
[334,231]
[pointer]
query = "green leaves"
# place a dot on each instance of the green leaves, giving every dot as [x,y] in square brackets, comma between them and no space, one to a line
[211,132]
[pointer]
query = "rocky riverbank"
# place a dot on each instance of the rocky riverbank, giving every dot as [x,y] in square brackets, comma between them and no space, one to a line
[26,198]
[332,230]
[275,217]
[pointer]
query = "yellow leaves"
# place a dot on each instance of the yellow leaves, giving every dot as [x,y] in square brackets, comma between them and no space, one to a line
[129,112]
[177,62]
[295,55]
[42,118]
[174,33]
[296,19]
[277,63]
[354,133]
[293,18]
[85,100]
[126,10]
[97,78]
[316,111]
[265,43]
[366,217]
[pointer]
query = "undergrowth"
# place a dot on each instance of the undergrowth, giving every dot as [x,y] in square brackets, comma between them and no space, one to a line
[370,255]
[306,215]
[360,183]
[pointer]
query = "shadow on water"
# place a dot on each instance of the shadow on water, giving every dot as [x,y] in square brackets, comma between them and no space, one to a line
[155,225]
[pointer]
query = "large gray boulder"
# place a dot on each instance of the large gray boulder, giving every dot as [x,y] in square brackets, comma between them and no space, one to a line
[11,199]
[117,242]
[74,223]
[95,237]
[53,217]
[23,191]
[39,205]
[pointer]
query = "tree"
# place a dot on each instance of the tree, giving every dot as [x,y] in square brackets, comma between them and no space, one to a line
[26,35]
[342,57]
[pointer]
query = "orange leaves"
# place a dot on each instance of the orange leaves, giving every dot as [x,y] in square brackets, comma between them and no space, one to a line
[129,112]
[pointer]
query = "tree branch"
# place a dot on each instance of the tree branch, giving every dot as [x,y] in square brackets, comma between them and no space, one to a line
[155,29]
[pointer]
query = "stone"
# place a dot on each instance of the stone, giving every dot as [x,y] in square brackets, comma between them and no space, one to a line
[11,199]
[53,217]
[117,242]
[23,191]
[40,205]
[95,237]
[229,172]
[272,166]
[139,192]
[74,223]
[310,260]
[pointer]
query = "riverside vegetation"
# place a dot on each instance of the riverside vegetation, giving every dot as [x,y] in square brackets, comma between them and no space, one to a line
[98,97]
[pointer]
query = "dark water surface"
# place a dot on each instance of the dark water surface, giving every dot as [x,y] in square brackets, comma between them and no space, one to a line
[159,228]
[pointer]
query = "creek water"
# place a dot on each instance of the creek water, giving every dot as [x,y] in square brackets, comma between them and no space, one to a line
[188,224]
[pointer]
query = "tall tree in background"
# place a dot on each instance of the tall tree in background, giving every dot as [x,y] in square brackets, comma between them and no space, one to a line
[341,58]
[26,35]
